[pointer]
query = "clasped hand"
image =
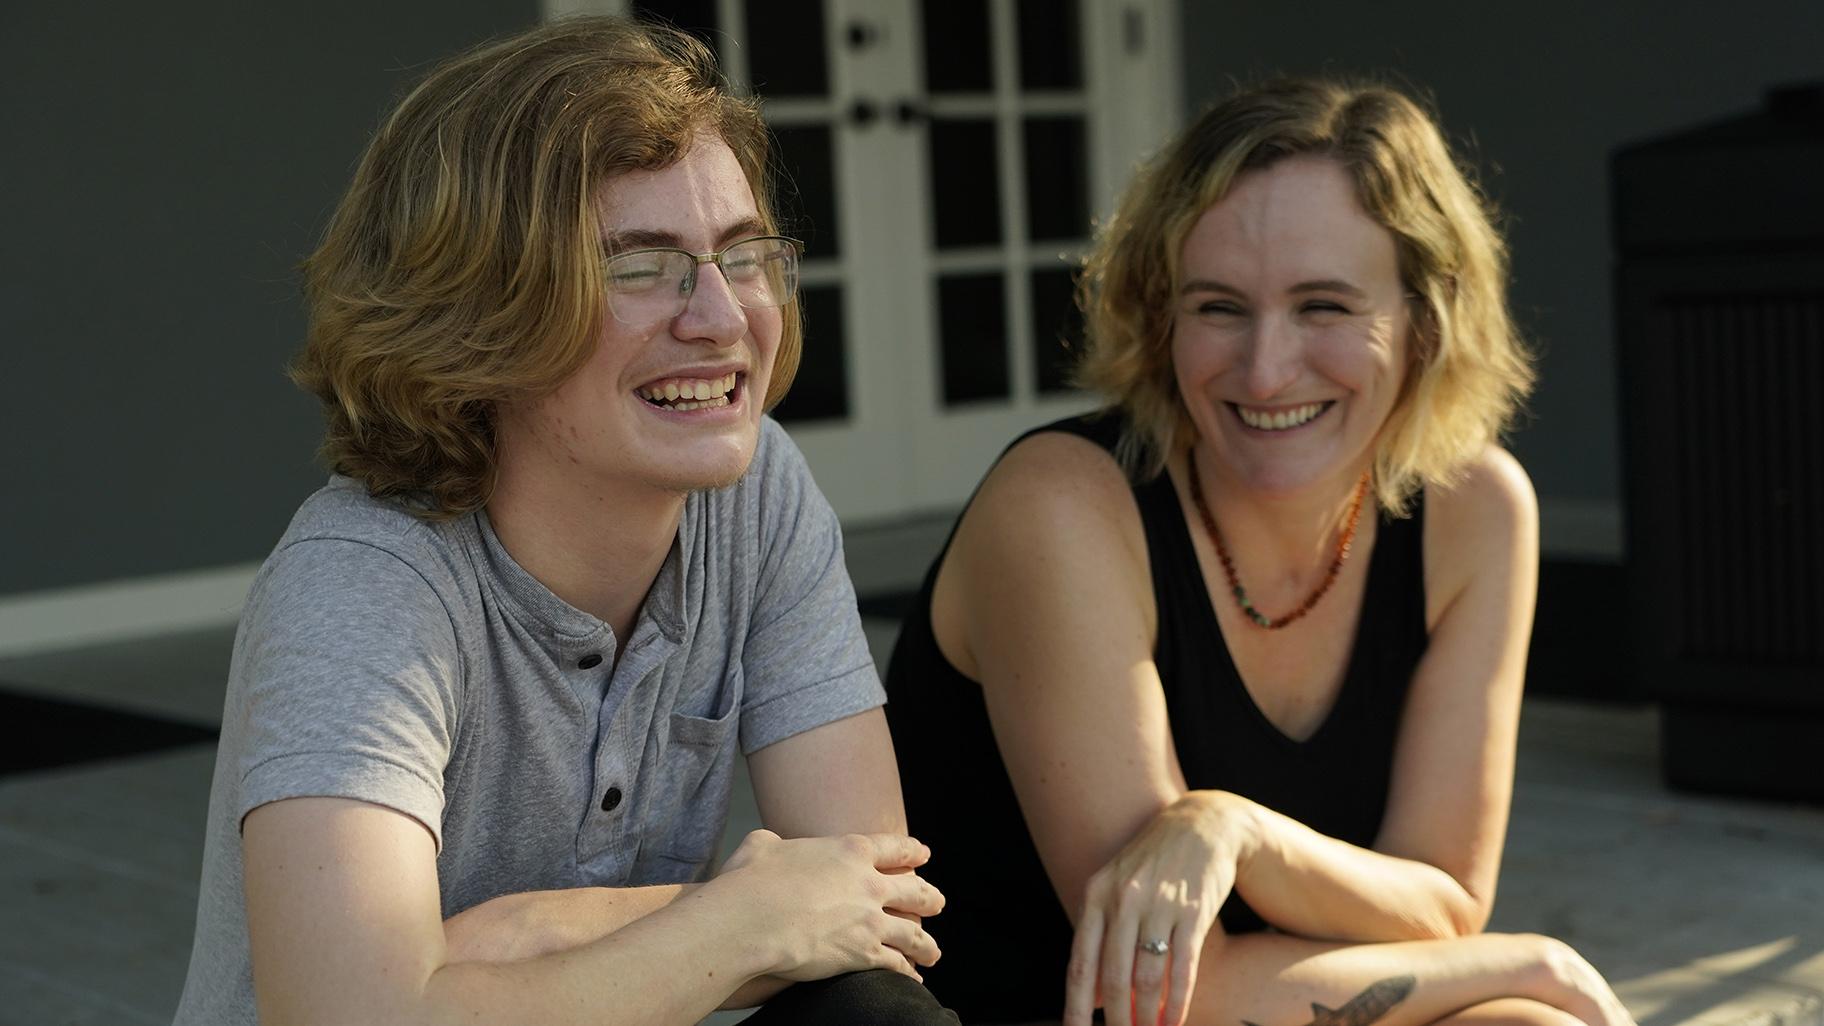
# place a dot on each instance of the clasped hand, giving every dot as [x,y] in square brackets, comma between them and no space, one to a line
[839,904]
[1166,886]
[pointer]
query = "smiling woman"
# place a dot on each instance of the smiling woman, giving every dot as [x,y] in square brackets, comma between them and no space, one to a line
[1244,651]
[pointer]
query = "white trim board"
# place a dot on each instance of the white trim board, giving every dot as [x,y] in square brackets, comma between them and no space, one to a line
[44,621]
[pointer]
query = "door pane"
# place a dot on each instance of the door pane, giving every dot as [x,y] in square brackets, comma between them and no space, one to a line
[965,184]
[957,50]
[972,328]
[821,389]
[785,48]
[1057,178]
[806,188]
[1057,329]
[1050,49]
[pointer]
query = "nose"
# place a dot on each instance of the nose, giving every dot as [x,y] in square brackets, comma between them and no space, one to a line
[711,314]
[1275,354]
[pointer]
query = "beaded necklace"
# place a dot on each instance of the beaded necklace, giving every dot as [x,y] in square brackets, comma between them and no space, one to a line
[1259,618]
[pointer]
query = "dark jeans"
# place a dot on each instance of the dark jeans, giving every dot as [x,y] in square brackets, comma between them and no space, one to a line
[879,997]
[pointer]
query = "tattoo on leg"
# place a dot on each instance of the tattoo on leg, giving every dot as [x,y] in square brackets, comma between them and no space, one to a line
[1367,1007]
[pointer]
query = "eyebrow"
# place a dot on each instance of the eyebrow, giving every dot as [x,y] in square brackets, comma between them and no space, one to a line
[1325,285]
[646,238]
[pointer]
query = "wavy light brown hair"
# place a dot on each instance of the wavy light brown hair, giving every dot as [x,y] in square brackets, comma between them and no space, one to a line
[1469,369]
[463,268]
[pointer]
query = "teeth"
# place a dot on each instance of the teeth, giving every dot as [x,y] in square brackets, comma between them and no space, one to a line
[709,404]
[1279,420]
[689,390]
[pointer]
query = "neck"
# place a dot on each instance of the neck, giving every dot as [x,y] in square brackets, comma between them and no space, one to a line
[597,545]
[1280,542]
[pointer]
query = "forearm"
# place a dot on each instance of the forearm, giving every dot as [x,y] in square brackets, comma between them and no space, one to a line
[674,963]
[1274,980]
[532,923]
[514,927]
[1308,884]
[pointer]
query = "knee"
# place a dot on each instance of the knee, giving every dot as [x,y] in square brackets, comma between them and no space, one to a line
[1512,1012]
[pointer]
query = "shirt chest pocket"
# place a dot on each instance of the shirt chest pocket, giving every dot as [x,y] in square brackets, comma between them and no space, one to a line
[691,791]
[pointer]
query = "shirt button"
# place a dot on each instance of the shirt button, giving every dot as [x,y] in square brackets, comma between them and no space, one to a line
[589,662]
[611,799]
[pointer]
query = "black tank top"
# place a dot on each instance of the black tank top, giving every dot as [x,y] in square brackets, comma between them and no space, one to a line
[1005,938]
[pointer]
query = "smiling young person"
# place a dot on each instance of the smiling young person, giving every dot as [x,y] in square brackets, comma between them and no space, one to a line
[1231,671]
[490,685]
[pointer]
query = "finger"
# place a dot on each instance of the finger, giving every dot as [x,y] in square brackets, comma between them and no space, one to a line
[1149,968]
[911,940]
[1085,959]
[907,893]
[893,851]
[896,960]
[1117,975]
[1187,952]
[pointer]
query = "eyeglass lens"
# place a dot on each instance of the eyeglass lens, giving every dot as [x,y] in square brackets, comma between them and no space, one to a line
[655,284]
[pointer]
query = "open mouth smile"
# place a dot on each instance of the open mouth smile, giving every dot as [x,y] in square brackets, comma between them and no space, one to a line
[682,395]
[1286,419]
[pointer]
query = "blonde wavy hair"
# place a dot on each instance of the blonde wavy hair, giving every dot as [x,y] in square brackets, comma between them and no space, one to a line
[463,267]
[1469,370]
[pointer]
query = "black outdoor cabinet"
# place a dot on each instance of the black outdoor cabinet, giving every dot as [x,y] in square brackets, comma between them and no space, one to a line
[1720,310]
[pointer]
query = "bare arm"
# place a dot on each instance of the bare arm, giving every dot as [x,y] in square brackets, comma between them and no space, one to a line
[532,923]
[840,778]
[312,862]
[1433,868]
[835,779]
[1275,980]
[343,918]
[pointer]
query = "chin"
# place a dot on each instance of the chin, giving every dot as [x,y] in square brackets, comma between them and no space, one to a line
[709,464]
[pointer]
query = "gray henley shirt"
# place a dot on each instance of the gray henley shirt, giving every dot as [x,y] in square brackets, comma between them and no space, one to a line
[415,665]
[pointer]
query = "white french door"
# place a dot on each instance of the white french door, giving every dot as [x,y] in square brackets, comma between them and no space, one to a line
[943,160]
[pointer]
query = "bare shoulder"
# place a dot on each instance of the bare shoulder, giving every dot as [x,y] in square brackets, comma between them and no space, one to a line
[1494,493]
[1053,493]
[1484,524]
[1052,536]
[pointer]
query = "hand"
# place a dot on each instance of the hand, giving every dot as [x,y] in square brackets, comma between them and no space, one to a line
[836,905]
[1167,884]
[1566,981]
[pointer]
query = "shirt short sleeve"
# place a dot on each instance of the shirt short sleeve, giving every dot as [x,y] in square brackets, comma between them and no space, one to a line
[351,669]
[805,660]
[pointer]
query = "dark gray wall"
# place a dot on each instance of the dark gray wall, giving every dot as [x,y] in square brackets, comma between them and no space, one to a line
[1545,90]
[166,167]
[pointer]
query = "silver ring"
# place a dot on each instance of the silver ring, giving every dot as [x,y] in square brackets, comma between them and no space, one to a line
[1156,946]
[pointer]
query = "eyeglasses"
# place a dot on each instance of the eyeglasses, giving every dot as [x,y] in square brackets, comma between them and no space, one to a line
[650,285]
